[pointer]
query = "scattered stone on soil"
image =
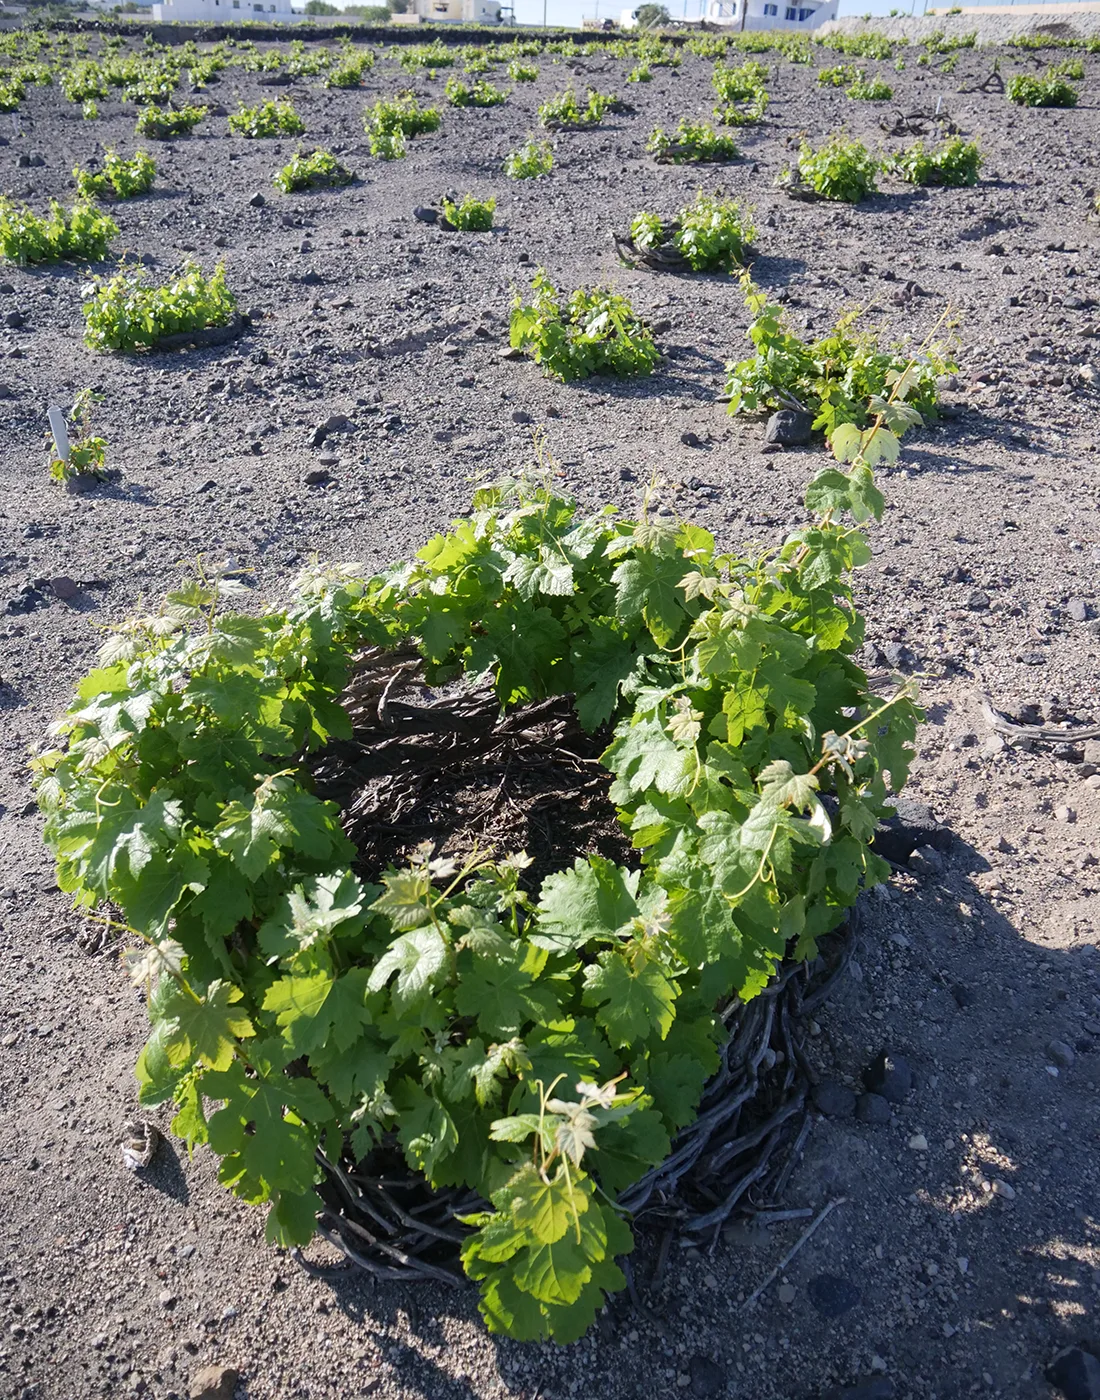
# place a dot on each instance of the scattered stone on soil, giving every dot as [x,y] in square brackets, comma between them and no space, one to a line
[833,1099]
[789,428]
[1076,1374]
[831,1295]
[890,1076]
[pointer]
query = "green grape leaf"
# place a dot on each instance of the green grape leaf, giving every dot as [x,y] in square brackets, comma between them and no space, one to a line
[418,958]
[292,1220]
[593,901]
[317,1010]
[545,1209]
[644,755]
[502,994]
[634,994]
[648,586]
[209,1028]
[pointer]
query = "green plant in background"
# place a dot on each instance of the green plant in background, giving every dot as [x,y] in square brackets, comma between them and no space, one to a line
[82,233]
[565,110]
[1050,90]
[834,378]
[165,124]
[939,42]
[470,215]
[868,44]
[390,122]
[12,93]
[1068,68]
[743,98]
[712,234]
[529,161]
[478,94]
[87,453]
[119,176]
[152,87]
[522,72]
[693,142]
[865,89]
[267,119]
[641,73]
[839,76]
[83,81]
[955,162]
[127,313]
[840,170]
[595,332]
[539,1048]
[312,170]
[433,55]
[89,111]
[348,73]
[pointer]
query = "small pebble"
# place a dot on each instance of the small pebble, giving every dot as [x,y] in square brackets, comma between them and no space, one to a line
[1061,1053]
[918,1142]
[786,1293]
[1002,1189]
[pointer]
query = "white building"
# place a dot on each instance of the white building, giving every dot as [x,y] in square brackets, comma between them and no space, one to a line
[455,12]
[771,14]
[757,14]
[223,11]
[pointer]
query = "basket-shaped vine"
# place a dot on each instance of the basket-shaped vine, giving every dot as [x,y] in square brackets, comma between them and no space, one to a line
[528,1049]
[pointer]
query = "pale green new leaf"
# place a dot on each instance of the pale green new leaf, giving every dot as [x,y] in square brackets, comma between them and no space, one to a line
[417,958]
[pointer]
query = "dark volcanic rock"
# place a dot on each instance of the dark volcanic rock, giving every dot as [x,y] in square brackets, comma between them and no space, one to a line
[789,428]
[889,1075]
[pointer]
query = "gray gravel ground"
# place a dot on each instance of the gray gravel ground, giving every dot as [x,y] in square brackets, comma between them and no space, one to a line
[985,572]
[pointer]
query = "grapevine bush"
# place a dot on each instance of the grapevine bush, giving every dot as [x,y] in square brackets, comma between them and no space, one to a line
[1050,90]
[468,215]
[477,94]
[266,119]
[121,177]
[743,99]
[595,332]
[565,111]
[864,89]
[712,234]
[955,162]
[310,170]
[834,378]
[692,141]
[841,170]
[87,452]
[127,313]
[540,1048]
[163,125]
[529,161]
[80,233]
[390,122]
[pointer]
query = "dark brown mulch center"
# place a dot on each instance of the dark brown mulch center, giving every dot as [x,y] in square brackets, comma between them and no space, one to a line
[445,766]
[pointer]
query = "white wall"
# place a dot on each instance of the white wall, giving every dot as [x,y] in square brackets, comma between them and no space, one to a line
[225,11]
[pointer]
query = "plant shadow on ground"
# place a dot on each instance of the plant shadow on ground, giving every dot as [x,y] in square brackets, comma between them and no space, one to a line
[1027,1289]
[165,1173]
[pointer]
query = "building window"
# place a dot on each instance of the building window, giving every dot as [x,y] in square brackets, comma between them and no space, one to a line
[792,13]
[805,14]
[771,9]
